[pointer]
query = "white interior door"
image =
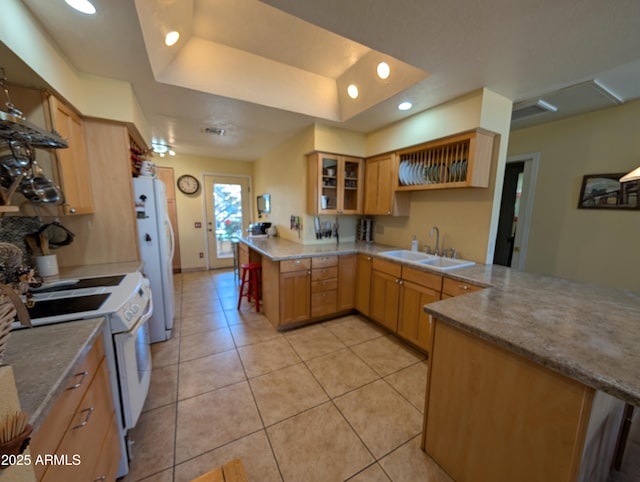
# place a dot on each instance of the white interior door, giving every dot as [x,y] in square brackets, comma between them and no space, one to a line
[228,214]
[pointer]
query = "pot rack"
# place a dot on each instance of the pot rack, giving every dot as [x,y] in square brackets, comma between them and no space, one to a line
[15,130]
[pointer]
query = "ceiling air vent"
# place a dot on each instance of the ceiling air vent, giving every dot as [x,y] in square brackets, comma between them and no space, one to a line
[529,108]
[216,131]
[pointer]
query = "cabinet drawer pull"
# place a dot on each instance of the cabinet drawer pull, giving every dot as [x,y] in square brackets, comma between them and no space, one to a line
[101,478]
[89,411]
[463,287]
[82,376]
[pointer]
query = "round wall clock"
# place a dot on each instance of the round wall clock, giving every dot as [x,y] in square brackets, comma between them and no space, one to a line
[188,184]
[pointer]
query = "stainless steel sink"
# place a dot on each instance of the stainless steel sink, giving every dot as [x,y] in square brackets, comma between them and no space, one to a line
[406,255]
[446,263]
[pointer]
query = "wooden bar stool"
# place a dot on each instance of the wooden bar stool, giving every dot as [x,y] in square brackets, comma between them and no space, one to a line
[254,273]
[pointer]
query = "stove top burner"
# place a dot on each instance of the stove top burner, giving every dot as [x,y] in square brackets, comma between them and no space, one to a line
[86,283]
[65,306]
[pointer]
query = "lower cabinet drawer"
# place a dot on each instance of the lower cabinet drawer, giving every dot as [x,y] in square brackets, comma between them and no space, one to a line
[324,261]
[324,285]
[48,437]
[454,287]
[324,273]
[289,265]
[324,303]
[85,436]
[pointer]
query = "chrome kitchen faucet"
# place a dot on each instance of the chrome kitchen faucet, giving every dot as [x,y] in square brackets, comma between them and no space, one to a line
[435,228]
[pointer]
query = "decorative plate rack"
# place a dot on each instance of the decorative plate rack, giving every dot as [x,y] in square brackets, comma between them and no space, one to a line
[462,160]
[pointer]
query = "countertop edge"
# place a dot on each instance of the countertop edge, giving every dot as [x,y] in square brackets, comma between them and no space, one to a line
[564,367]
[37,405]
[583,331]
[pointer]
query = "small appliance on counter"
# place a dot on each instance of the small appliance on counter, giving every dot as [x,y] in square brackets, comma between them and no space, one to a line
[365,230]
[259,229]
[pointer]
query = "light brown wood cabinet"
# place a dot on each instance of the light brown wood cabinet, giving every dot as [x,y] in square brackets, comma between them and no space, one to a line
[72,172]
[246,255]
[295,291]
[385,292]
[114,211]
[298,291]
[334,184]
[491,415]
[398,295]
[452,287]
[381,182]
[82,424]
[418,288]
[346,282]
[324,285]
[363,284]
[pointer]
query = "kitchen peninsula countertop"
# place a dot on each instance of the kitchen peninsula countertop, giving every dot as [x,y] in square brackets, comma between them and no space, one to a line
[586,332]
[43,359]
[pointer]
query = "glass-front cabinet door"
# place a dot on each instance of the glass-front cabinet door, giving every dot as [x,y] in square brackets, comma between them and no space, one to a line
[329,196]
[352,193]
[334,184]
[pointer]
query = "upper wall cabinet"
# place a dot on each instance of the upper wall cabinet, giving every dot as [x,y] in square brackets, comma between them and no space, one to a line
[334,184]
[380,196]
[72,163]
[462,160]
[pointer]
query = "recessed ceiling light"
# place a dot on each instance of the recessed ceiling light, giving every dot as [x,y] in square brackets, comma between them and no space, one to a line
[84,6]
[383,70]
[405,105]
[352,90]
[171,38]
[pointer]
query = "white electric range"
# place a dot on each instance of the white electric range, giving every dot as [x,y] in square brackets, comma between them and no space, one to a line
[125,302]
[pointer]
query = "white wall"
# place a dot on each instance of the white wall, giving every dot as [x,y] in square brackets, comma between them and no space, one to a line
[467,218]
[599,246]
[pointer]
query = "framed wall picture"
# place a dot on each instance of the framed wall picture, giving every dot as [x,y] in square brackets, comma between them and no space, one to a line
[605,191]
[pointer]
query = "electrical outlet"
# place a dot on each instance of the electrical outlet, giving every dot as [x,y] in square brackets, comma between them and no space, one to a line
[200,255]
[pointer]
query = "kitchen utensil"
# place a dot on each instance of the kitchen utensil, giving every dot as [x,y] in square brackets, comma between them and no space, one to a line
[33,241]
[44,244]
[41,190]
[57,234]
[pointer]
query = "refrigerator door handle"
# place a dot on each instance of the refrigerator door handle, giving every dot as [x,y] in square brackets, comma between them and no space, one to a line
[171,239]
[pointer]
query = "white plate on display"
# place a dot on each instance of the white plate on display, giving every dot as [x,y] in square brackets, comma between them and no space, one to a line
[407,174]
[402,172]
[416,174]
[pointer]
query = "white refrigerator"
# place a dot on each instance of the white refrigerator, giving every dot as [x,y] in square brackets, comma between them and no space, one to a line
[155,238]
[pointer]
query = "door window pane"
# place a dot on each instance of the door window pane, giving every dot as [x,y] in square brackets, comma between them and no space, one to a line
[227,206]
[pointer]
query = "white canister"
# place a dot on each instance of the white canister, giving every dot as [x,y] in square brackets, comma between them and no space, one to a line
[47,266]
[148,168]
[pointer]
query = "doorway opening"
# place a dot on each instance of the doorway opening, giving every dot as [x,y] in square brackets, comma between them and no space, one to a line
[516,209]
[227,207]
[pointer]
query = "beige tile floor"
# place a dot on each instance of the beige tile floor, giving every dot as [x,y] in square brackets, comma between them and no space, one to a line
[335,401]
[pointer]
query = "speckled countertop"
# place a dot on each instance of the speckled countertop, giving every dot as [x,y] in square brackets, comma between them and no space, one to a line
[588,333]
[44,358]
[106,269]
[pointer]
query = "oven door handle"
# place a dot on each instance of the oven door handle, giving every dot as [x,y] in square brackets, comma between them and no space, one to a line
[147,314]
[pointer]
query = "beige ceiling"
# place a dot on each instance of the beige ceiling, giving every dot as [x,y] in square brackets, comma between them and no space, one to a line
[284,62]
[521,50]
